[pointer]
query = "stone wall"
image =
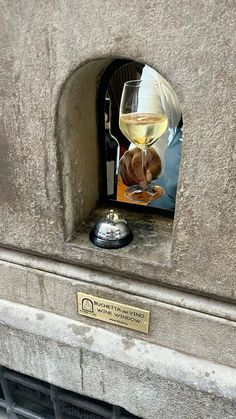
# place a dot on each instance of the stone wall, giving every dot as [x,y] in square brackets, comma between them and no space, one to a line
[43,43]
[185,275]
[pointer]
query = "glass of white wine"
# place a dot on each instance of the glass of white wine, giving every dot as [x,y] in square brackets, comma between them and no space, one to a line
[143,120]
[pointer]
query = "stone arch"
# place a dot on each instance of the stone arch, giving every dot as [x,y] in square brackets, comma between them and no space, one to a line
[77,132]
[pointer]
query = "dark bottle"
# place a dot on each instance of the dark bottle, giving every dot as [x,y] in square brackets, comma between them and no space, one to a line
[112,155]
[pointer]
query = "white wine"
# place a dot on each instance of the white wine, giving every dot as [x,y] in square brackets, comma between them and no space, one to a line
[143,129]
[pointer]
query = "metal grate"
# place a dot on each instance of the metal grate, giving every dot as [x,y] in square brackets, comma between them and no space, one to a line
[26,397]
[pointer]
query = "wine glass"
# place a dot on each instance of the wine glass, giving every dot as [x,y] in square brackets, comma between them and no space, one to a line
[143,120]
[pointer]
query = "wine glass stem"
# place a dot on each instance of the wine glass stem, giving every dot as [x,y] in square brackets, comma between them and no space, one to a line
[144,154]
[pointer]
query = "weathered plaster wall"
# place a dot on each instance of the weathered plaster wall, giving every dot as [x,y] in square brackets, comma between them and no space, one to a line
[148,380]
[190,43]
[174,324]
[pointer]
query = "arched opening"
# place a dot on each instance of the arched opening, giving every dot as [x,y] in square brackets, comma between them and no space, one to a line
[82,134]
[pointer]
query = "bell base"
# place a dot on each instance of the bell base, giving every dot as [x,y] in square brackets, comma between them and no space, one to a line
[110,244]
[146,194]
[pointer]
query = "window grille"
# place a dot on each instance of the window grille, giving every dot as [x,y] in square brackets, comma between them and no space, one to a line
[25,397]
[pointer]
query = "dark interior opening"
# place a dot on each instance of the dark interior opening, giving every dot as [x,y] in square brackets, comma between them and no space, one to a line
[108,102]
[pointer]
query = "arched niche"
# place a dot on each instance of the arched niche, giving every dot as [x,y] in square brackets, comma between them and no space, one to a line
[79,129]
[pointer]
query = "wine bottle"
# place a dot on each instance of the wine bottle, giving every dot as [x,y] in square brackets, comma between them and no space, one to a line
[112,155]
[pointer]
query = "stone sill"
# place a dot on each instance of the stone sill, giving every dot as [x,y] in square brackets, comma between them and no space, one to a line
[147,256]
[107,366]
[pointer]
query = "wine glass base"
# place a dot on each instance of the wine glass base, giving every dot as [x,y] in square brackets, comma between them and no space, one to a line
[146,194]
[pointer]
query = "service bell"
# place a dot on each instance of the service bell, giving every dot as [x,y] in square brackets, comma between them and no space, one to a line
[111,231]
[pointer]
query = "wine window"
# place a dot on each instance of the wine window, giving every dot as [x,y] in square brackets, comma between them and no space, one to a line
[142,123]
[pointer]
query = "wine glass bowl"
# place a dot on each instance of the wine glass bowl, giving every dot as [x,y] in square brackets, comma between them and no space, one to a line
[143,120]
